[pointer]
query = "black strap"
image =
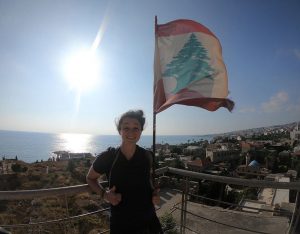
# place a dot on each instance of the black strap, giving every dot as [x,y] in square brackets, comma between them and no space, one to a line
[114,152]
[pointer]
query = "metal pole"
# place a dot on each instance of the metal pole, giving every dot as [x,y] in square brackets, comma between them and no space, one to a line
[294,214]
[154,114]
[184,205]
[154,134]
[154,118]
[296,211]
[185,202]
[182,208]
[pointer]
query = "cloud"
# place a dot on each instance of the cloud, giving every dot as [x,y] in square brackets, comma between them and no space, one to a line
[247,110]
[276,103]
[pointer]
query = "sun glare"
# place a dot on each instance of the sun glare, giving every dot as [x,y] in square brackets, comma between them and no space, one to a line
[75,143]
[82,70]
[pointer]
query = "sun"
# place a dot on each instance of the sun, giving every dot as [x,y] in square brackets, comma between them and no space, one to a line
[82,70]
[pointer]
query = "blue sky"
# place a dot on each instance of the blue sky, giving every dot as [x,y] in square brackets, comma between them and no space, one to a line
[261,50]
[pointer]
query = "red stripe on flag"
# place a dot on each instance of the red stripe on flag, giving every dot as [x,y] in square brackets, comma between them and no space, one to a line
[181,26]
[159,95]
[192,98]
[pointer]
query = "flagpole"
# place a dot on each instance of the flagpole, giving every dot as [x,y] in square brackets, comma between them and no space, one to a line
[154,114]
[154,133]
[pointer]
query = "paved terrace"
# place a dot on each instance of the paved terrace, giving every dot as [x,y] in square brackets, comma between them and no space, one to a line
[206,219]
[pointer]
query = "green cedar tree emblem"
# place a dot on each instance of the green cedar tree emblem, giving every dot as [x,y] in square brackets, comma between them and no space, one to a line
[189,65]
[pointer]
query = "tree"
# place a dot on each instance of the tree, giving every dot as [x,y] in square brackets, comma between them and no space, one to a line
[176,150]
[168,224]
[189,65]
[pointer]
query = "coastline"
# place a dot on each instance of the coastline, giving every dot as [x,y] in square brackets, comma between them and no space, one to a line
[31,146]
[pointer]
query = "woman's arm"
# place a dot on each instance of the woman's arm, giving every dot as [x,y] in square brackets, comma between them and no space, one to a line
[110,196]
[92,180]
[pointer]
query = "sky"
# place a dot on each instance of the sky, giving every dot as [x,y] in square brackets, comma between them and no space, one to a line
[40,40]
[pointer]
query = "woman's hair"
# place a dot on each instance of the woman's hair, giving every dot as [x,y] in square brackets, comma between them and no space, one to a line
[134,114]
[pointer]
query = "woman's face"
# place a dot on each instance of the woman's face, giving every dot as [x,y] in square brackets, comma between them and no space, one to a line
[130,130]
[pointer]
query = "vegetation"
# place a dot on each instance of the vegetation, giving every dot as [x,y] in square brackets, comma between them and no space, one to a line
[168,224]
[272,137]
[40,175]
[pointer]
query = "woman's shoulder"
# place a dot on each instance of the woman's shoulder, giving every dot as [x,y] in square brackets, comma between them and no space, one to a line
[104,160]
[142,148]
[145,151]
[109,153]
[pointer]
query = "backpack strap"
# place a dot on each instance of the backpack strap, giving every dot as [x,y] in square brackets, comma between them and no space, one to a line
[115,152]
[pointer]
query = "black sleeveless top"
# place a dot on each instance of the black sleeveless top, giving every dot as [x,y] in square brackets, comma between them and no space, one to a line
[132,181]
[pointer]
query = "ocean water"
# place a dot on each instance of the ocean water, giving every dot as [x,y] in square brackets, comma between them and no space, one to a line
[32,146]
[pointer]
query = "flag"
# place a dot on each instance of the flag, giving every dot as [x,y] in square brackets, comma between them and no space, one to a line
[188,67]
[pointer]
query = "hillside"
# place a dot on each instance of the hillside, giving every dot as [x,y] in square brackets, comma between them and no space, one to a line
[259,130]
[50,175]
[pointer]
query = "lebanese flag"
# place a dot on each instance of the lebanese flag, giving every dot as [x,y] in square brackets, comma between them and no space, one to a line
[188,67]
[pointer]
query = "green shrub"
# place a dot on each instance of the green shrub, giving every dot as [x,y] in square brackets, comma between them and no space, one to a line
[168,224]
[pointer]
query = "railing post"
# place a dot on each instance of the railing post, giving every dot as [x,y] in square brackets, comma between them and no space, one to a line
[184,198]
[295,213]
[182,207]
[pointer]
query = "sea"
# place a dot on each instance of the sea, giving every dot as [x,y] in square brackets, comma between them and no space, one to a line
[32,146]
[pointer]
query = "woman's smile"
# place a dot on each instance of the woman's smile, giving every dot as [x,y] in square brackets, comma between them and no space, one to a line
[130,130]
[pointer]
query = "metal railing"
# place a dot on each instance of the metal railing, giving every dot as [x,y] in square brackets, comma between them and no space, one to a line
[73,190]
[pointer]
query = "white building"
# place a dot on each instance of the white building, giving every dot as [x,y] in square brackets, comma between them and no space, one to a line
[295,134]
[221,153]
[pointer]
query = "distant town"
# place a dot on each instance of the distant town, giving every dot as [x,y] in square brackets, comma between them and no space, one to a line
[268,153]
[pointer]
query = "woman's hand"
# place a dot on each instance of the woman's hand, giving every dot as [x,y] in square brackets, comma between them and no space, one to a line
[112,197]
[155,197]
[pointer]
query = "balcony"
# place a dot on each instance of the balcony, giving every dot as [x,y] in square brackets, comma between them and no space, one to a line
[189,210]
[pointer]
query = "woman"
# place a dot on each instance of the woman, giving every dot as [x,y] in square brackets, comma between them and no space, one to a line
[129,173]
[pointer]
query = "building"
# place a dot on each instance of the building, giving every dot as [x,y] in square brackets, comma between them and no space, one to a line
[66,155]
[197,165]
[248,170]
[253,169]
[220,153]
[245,146]
[170,162]
[192,150]
[6,167]
[295,134]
